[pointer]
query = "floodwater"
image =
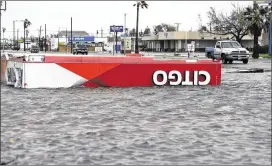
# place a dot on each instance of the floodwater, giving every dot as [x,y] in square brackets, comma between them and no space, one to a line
[230,124]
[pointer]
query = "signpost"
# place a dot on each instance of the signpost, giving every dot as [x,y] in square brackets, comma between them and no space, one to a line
[115,29]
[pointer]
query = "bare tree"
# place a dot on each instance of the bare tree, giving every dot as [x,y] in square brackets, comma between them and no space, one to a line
[227,24]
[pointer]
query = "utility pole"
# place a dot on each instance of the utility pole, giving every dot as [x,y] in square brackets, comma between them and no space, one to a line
[4,9]
[178,26]
[58,39]
[40,32]
[66,40]
[17,35]
[24,34]
[101,32]
[270,30]
[125,37]
[114,47]
[45,38]
[71,35]
[115,32]
[13,33]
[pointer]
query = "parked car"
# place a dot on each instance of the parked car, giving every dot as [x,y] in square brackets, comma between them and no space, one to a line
[228,51]
[16,47]
[34,49]
[83,49]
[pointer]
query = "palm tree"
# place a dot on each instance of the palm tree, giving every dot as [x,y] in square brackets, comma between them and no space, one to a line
[258,21]
[27,23]
[143,5]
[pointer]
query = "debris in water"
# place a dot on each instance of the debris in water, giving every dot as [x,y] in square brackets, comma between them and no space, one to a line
[254,70]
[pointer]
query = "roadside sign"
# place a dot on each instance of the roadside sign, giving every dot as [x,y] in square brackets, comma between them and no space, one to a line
[82,39]
[127,42]
[116,28]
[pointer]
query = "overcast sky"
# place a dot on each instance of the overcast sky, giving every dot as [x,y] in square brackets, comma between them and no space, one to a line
[92,15]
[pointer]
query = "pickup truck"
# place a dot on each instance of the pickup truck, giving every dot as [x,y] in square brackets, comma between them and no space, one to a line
[83,49]
[228,51]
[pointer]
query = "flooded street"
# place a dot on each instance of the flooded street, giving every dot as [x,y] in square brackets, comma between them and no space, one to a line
[229,124]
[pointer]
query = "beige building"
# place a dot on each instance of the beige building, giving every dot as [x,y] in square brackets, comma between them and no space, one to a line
[176,41]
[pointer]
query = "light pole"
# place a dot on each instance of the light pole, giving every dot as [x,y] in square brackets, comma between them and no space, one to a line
[71,37]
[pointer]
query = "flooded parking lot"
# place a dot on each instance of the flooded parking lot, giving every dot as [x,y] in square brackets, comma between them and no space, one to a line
[230,124]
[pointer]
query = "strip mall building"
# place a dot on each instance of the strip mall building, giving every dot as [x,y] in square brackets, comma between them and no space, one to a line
[176,41]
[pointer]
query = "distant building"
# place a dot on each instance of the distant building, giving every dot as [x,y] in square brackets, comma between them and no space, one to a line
[176,41]
[63,42]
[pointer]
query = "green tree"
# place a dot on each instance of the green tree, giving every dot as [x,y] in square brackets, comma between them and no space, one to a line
[147,31]
[168,27]
[143,5]
[258,18]
[132,32]
[157,29]
[164,28]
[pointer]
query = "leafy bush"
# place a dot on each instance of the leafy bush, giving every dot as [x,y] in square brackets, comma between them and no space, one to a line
[263,49]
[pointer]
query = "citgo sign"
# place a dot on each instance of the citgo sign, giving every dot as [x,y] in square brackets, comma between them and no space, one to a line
[175,78]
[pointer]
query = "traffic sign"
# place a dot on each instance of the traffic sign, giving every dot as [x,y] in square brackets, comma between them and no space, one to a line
[116,28]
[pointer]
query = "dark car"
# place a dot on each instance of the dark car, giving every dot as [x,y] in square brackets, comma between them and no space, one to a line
[34,49]
[83,49]
[16,47]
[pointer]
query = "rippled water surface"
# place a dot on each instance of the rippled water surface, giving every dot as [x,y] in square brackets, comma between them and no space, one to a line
[230,124]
